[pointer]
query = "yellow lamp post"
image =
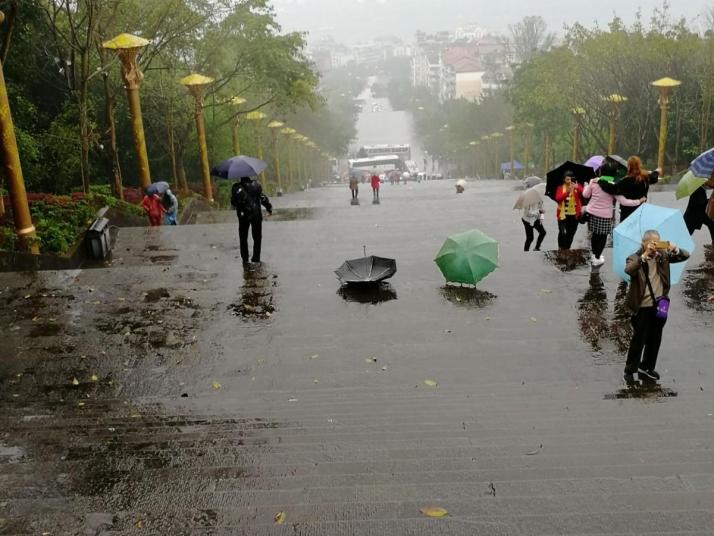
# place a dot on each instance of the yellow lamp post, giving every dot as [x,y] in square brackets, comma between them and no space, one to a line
[235,125]
[274,126]
[512,148]
[613,113]
[288,132]
[257,118]
[486,141]
[578,114]
[196,85]
[24,229]
[127,47]
[496,137]
[527,134]
[299,157]
[474,144]
[665,86]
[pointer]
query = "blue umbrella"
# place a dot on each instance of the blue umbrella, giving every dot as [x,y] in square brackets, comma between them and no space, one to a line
[237,167]
[668,222]
[157,187]
[703,165]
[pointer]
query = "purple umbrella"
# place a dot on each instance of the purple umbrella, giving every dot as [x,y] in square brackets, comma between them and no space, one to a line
[595,162]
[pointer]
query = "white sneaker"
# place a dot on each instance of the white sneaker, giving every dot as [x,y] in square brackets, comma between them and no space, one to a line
[599,261]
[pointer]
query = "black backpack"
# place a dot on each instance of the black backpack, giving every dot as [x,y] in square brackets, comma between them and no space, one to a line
[247,206]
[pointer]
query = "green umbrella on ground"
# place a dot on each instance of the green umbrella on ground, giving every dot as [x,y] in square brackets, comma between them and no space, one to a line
[467,257]
[688,184]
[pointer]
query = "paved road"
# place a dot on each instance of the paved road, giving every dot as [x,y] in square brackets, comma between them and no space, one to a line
[208,399]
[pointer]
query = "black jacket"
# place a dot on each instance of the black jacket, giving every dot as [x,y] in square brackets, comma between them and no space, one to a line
[696,213]
[247,196]
[632,189]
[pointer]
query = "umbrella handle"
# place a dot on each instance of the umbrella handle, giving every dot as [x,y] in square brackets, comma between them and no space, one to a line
[364,250]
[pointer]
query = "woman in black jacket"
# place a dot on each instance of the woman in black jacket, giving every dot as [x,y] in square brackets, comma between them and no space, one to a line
[636,184]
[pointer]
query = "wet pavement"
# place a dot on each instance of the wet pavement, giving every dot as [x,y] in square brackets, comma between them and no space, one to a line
[172,392]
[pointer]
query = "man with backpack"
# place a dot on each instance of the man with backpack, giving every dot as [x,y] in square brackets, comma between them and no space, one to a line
[247,197]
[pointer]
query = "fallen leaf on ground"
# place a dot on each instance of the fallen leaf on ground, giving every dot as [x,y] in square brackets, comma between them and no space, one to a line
[216,385]
[315,356]
[430,383]
[315,381]
[534,319]
[279,518]
[433,511]
[546,290]
[94,378]
[139,524]
[75,381]
[487,318]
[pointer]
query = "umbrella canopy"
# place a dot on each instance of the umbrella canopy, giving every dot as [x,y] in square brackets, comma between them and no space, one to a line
[237,167]
[532,196]
[531,181]
[668,222]
[595,162]
[554,178]
[688,184]
[621,165]
[467,257]
[157,187]
[703,165]
[366,270]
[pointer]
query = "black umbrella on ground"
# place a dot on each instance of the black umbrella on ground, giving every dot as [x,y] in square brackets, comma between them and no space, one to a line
[366,270]
[554,178]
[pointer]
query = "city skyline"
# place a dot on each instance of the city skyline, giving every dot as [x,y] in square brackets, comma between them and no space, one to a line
[361,20]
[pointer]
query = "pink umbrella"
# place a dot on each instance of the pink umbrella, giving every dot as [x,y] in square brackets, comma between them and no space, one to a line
[595,162]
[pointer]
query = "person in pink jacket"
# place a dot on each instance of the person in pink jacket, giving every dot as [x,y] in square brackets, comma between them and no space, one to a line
[602,193]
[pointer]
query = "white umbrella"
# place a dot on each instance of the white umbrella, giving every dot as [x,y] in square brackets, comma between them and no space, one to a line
[532,196]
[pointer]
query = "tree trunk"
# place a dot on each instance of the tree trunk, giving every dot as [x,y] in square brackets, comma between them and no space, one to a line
[10,26]
[172,155]
[183,183]
[110,145]
[84,139]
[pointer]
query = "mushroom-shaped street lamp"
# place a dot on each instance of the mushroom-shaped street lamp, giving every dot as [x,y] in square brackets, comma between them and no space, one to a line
[236,102]
[665,86]
[288,132]
[274,126]
[127,47]
[613,113]
[257,117]
[196,85]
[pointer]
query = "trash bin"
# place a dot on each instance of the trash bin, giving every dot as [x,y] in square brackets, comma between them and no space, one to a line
[97,239]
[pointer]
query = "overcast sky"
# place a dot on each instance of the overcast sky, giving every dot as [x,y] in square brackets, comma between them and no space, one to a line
[350,21]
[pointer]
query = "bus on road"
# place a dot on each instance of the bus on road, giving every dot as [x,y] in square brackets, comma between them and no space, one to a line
[404,150]
[380,164]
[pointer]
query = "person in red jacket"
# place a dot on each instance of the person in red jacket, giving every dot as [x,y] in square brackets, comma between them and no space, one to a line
[154,208]
[375,182]
[569,197]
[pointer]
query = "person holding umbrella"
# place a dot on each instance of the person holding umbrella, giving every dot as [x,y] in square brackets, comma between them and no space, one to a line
[170,204]
[375,182]
[569,197]
[635,185]
[151,203]
[532,214]
[602,193]
[247,197]
[696,214]
[647,301]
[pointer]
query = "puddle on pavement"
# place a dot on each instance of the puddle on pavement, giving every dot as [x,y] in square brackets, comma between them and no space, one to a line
[567,260]
[653,392]
[608,332]
[154,295]
[698,284]
[293,214]
[256,300]
[368,294]
[469,297]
